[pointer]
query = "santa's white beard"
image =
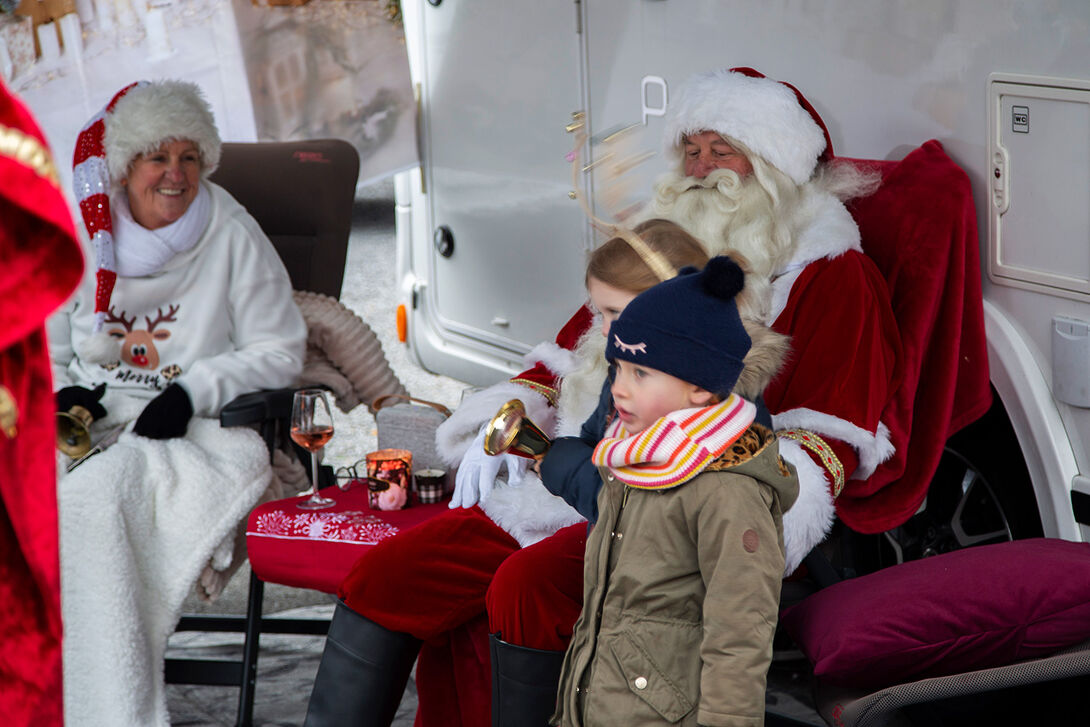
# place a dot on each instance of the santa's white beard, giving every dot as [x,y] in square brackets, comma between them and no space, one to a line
[581,387]
[730,215]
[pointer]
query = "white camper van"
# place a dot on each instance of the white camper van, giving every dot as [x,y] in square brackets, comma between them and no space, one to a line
[491,244]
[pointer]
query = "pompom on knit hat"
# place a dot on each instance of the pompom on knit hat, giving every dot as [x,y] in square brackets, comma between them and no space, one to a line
[771,118]
[687,327]
[137,120]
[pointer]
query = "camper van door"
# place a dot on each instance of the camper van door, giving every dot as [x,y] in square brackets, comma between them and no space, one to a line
[497,243]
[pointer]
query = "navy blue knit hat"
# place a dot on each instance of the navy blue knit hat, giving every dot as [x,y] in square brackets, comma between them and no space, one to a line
[687,327]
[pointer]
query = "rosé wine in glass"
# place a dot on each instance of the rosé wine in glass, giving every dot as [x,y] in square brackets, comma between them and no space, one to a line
[311,429]
[314,440]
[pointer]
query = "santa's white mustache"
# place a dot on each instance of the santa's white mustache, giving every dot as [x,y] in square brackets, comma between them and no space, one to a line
[723,179]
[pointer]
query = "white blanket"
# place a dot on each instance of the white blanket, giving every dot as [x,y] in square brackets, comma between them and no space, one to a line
[138,524]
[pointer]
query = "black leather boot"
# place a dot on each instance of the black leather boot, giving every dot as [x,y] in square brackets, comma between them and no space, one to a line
[524,684]
[362,675]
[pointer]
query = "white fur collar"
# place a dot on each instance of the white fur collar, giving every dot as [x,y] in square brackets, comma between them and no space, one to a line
[823,229]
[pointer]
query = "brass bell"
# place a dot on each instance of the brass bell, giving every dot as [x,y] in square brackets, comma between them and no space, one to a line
[511,431]
[74,431]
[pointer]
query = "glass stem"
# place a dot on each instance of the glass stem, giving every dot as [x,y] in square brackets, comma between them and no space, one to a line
[314,474]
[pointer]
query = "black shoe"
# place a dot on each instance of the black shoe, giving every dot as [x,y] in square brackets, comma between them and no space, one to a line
[362,675]
[524,684]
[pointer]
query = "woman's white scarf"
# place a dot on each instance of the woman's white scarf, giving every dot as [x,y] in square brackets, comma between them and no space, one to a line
[139,251]
[677,447]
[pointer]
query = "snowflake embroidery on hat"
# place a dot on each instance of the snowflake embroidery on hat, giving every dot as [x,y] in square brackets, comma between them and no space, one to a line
[630,347]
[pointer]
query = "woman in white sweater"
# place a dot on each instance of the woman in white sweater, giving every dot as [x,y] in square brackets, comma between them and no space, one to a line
[189,307]
[201,310]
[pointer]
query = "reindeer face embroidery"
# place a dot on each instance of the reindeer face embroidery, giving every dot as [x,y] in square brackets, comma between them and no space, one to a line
[138,346]
[629,347]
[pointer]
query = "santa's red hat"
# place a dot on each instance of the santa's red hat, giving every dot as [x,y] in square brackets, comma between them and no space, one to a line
[137,120]
[772,119]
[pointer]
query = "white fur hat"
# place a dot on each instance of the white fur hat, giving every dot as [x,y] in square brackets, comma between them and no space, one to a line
[771,118]
[151,113]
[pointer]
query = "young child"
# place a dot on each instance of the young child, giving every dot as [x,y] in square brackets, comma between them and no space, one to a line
[682,570]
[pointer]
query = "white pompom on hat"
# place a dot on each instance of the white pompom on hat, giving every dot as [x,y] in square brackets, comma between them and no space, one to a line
[137,120]
[771,118]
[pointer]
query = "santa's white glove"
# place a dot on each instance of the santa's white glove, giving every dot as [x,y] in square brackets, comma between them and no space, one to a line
[478,470]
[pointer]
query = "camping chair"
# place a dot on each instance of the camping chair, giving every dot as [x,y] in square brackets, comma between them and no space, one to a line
[920,229]
[301,193]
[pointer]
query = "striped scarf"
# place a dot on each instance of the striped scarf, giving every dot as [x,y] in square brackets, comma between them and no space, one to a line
[675,448]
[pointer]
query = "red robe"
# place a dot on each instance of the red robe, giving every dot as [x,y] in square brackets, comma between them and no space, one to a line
[845,360]
[43,264]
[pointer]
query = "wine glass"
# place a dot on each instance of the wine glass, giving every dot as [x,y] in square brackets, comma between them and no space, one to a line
[311,428]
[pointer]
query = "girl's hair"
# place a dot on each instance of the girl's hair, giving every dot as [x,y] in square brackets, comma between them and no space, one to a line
[616,263]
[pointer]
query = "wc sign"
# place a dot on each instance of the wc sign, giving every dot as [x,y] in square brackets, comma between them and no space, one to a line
[1020,119]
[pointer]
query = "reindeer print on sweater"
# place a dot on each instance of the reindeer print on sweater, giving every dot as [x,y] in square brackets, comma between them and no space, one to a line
[138,345]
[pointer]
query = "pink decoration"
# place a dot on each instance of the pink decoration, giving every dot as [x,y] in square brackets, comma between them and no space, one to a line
[392,498]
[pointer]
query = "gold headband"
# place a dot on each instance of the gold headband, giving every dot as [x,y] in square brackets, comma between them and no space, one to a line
[654,260]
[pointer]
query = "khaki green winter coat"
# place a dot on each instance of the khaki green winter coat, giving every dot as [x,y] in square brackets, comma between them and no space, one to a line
[680,596]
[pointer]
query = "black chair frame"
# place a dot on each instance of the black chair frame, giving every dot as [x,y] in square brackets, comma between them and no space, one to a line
[310,227]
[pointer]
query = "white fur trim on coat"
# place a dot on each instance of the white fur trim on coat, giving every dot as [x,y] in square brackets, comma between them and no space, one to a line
[556,358]
[763,114]
[529,512]
[453,436]
[873,449]
[809,520]
[822,228]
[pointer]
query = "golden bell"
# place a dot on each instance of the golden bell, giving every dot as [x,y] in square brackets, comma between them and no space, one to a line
[74,431]
[511,431]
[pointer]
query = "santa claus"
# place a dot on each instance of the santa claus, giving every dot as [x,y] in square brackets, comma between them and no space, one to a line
[754,175]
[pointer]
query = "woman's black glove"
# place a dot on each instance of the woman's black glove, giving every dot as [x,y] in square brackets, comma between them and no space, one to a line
[166,416]
[71,396]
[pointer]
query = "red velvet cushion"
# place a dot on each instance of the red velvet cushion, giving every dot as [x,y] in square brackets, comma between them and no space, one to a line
[316,548]
[971,609]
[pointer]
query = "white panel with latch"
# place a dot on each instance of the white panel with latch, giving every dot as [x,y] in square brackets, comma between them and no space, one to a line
[1039,184]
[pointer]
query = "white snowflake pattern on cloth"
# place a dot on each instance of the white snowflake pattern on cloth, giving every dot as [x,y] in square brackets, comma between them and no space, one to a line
[350,525]
[274,522]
